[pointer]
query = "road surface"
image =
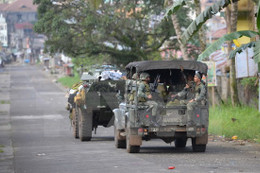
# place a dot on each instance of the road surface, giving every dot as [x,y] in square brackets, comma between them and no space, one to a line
[36,137]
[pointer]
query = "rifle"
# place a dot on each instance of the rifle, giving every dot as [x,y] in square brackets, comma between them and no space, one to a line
[184,76]
[155,83]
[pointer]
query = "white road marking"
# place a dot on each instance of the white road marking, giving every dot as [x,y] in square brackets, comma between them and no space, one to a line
[33,117]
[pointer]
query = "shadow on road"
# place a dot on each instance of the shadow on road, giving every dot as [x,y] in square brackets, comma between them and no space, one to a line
[102,138]
[166,149]
[211,149]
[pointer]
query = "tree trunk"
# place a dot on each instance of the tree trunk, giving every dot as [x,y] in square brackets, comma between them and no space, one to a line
[233,81]
[202,35]
[177,28]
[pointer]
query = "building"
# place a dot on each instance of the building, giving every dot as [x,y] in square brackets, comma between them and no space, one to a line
[20,15]
[3,32]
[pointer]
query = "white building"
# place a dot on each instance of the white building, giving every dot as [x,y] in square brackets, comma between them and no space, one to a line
[3,32]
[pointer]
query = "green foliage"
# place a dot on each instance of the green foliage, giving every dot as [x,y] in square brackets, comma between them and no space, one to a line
[1,146]
[120,29]
[249,82]
[175,7]
[241,48]
[227,120]
[69,81]
[5,102]
[88,61]
[202,18]
[258,18]
[228,37]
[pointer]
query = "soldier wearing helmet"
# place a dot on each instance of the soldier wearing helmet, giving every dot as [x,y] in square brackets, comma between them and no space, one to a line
[198,99]
[144,96]
[132,84]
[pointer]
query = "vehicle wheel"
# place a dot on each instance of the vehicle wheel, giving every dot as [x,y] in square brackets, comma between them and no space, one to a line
[85,125]
[118,143]
[131,148]
[180,142]
[198,148]
[75,122]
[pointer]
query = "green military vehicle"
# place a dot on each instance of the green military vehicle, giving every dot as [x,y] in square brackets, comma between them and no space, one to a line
[92,105]
[133,120]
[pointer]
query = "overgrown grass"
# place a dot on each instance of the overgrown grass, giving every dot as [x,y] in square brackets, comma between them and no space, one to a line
[1,146]
[69,81]
[228,121]
[5,102]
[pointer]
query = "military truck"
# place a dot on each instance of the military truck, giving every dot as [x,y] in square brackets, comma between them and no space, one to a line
[93,104]
[133,118]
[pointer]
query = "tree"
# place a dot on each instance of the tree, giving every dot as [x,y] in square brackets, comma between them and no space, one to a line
[232,36]
[197,24]
[233,81]
[202,35]
[235,35]
[203,17]
[126,30]
[177,27]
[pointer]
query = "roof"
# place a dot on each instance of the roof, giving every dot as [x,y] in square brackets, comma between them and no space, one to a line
[20,6]
[173,64]
[219,33]
[23,25]
[3,6]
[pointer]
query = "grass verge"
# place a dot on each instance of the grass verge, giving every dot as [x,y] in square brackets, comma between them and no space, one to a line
[1,146]
[228,121]
[69,81]
[5,102]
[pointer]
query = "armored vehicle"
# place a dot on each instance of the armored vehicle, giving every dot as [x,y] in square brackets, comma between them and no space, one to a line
[93,104]
[133,119]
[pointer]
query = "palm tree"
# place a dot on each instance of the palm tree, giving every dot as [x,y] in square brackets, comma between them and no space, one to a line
[177,27]
[204,16]
[233,82]
[202,36]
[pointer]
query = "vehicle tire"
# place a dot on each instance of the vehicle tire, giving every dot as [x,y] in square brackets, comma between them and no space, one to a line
[118,143]
[75,122]
[180,142]
[130,148]
[198,148]
[85,124]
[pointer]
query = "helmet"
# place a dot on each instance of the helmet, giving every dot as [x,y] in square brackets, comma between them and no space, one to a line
[135,76]
[143,76]
[198,75]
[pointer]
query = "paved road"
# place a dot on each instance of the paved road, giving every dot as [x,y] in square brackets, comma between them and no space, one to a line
[36,137]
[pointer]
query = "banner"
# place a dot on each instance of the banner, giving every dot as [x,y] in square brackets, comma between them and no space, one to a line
[211,78]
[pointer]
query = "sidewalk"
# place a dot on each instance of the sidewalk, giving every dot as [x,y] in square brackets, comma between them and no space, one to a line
[6,147]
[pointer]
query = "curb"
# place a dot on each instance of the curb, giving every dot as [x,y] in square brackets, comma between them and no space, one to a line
[6,144]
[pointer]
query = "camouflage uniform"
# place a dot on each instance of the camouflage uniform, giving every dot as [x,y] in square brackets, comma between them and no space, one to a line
[200,99]
[187,93]
[142,93]
[200,96]
[131,85]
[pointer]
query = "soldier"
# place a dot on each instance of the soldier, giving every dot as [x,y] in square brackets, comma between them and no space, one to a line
[187,92]
[199,99]
[144,96]
[132,84]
